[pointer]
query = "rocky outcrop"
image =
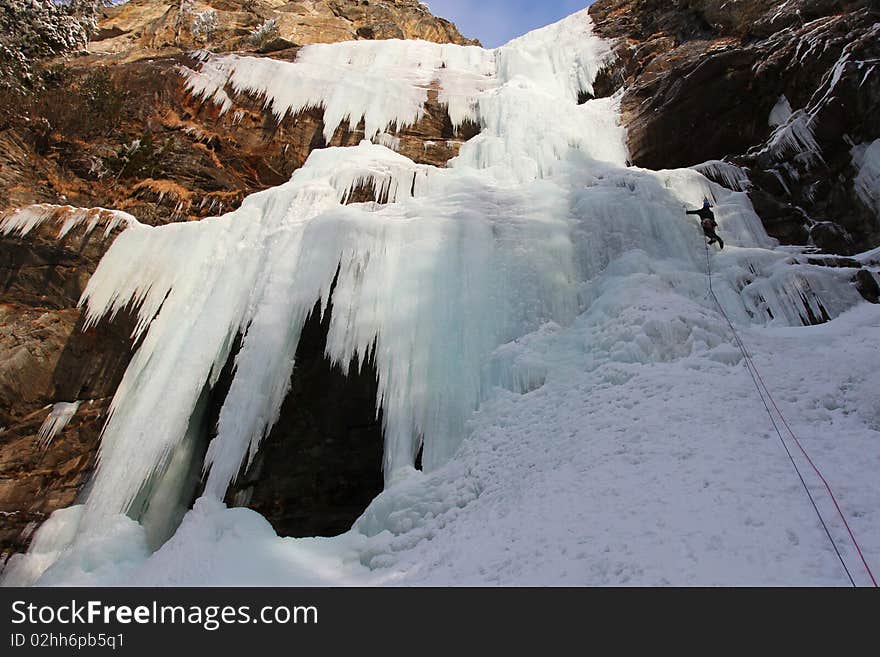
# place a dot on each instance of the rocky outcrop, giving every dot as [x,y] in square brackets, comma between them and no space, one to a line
[150,27]
[117,128]
[47,357]
[786,90]
[37,480]
[131,137]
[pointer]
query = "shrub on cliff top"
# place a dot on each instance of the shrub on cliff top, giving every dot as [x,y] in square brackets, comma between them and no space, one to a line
[34,30]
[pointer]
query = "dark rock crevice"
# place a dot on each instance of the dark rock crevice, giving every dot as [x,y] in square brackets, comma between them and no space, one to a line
[321,464]
[867,286]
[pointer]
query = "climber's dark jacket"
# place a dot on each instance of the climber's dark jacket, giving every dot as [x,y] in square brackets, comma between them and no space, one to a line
[704,213]
[707,220]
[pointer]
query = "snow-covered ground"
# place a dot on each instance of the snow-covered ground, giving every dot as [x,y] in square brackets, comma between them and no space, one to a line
[541,320]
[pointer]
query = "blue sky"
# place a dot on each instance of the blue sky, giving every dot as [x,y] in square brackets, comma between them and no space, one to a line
[495,22]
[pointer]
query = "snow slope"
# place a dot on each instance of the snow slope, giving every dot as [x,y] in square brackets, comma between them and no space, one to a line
[539,318]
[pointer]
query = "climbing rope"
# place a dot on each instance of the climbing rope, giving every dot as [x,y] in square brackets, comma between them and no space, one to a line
[764,394]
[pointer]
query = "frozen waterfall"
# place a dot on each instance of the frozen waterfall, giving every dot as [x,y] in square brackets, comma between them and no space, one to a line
[535,217]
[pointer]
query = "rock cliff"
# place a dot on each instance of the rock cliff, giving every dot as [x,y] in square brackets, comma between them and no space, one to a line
[787,90]
[151,27]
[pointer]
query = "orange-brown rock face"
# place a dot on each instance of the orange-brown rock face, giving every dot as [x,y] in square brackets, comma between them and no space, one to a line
[117,128]
[46,357]
[142,27]
[149,148]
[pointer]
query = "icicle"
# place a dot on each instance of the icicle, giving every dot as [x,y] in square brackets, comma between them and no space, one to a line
[780,114]
[866,158]
[56,421]
[724,173]
[795,138]
[382,82]
[388,141]
[24,220]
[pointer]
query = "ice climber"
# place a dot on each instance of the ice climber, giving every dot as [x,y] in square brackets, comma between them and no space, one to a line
[707,219]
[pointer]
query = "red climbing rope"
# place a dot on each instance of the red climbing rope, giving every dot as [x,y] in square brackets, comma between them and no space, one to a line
[824,482]
[756,377]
